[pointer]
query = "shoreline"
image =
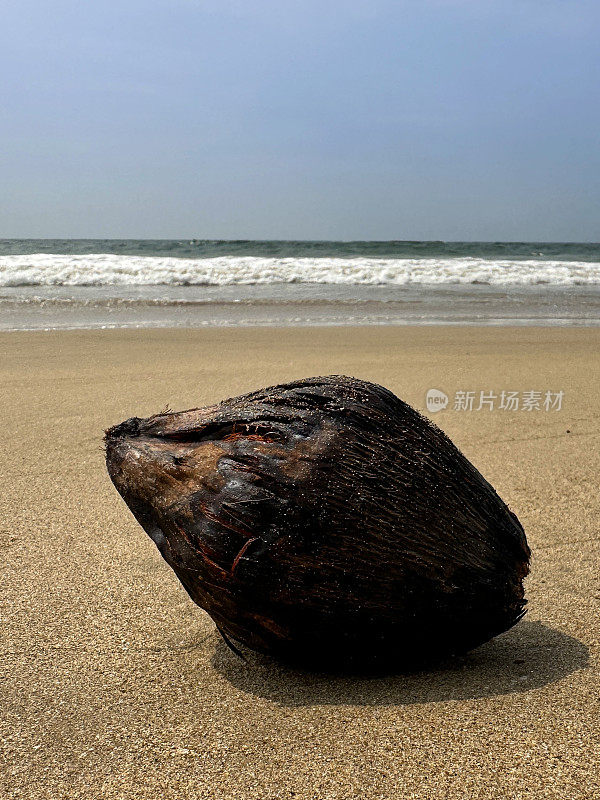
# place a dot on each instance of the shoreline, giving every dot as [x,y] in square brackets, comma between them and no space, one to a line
[304,305]
[529,323]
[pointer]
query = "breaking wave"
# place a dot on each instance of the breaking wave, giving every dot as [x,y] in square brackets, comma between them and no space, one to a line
[107,269]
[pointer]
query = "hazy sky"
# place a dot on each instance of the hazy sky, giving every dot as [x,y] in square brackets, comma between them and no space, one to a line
[399,119]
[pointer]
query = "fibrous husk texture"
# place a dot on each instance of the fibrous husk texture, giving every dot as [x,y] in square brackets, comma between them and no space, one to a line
[325,521]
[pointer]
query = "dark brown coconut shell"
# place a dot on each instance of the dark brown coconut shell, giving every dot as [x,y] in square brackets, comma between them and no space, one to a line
[325,521]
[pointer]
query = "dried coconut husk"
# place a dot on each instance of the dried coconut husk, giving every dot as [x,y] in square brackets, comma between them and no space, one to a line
[325,522]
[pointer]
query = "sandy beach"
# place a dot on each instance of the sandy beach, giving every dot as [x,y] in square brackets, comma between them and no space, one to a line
[114,685]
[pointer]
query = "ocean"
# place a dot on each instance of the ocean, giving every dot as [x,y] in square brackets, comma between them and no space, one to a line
[95,283]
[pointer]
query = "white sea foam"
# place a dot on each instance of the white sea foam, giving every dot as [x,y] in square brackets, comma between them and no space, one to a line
[104,269]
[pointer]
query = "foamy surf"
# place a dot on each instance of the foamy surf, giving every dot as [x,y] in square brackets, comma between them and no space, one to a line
[106,269]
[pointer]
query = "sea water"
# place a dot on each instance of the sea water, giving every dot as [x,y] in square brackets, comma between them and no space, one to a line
[143,283]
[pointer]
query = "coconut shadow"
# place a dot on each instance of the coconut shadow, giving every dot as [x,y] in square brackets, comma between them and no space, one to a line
[529,656]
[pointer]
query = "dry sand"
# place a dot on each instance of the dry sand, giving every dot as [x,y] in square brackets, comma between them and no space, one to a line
[113,684]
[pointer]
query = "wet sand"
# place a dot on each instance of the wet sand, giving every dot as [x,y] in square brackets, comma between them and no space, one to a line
[114,685]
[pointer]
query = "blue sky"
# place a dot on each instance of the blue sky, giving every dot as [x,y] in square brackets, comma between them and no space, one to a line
[432,119]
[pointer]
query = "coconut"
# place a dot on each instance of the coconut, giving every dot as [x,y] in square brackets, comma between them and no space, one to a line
[325,522]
